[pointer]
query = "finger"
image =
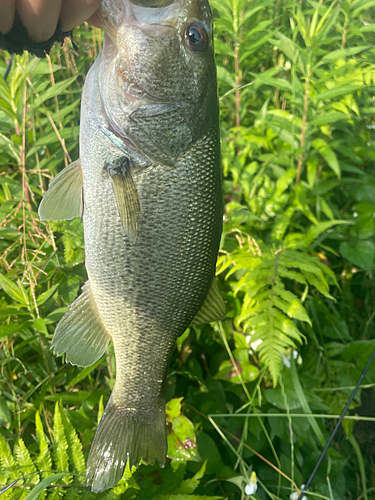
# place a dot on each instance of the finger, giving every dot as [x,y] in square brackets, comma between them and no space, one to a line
[95,20]
[74,12]
[39,17]
[7,9]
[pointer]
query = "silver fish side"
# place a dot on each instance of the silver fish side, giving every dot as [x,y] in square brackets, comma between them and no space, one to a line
[152,274]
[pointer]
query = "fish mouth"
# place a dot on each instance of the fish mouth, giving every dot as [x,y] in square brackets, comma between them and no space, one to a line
[153,18]
[150,16]
[152,3]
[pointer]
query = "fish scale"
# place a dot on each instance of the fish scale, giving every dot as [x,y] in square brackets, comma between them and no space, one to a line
[150,175]
[172,265]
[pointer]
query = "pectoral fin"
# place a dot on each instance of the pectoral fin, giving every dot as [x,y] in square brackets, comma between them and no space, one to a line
[126,197]
[80,333]
[64,197]
[213,308]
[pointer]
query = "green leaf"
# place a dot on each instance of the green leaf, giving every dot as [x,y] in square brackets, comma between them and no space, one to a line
[43,297]
[12,290]
[40,325]
[5,415]
[294,310]
[360,253]
[100,409]
[293,51]
[227,371]
[187,497]
[276,398]
[182,444]
[240,340]
[363,6]
[43,460]
[188,486]
[74,445]
[366,192]
[278,83]
[60,445]
[9,469]
[173,408]
[83,374]
[337,92]
[341,53]
[54,90]
[328,154]
[35,492]
[7,330]
[71,397]
[26,465]
[304,403]
[328,118]
[317,229]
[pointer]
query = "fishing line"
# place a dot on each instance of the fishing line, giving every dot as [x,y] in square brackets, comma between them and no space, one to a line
[305,488]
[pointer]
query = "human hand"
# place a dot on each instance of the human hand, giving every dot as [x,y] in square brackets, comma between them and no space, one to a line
[40,17]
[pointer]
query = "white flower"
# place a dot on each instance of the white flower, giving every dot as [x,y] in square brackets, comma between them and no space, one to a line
[295,495]
[252,487]
[255,344]
[286,358]
[287,66]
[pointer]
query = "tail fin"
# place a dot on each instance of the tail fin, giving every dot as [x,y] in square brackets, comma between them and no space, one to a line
[122,436]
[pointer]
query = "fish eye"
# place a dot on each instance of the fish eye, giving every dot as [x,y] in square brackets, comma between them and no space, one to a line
[196,37]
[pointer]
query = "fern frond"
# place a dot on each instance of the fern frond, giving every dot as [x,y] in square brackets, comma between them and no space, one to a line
[309,267]
[44,461]
[60,447]
[269,309]
[26,465]
[254,320]
[286,325]
[271,354]
[75,494]
[284,294]
[320,285]
[292,275]
[76,456]
[9,470]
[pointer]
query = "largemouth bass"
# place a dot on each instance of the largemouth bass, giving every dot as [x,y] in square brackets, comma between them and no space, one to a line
[148,185]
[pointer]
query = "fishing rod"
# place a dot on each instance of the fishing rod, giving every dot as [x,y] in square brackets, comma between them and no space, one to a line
[306,486]
[8,68]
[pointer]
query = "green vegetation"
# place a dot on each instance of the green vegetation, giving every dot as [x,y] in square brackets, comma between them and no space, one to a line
[260,391]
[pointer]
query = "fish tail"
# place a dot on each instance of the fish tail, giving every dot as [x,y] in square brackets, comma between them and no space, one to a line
[122,436]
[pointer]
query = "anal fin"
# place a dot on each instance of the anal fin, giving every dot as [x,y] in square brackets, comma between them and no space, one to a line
[213,308]
[80,333]
[126,194]
[64,197]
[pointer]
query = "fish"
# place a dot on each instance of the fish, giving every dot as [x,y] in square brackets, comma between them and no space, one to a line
[148,186]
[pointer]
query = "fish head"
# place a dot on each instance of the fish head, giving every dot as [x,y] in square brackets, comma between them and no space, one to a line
[158,75]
